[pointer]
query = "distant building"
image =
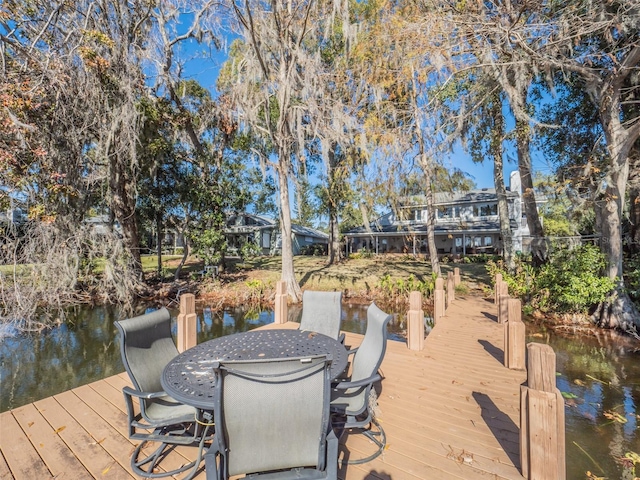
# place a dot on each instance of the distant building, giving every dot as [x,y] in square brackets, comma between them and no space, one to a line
[101,225]
[465,223]
[13,216]
[246,227]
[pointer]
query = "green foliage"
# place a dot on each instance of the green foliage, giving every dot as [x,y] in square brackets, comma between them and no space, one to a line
[632,277]
[315,249]
[571,281]
[364,253]
[250,250]
[391,287]
[480,258]
[256,288]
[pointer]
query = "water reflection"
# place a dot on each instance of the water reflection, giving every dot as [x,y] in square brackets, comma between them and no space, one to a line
[600,380]
[86,348]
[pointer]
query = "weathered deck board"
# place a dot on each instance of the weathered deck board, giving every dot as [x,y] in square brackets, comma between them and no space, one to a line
[450,411]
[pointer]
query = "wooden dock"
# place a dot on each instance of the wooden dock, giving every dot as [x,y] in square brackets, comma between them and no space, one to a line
[450,411]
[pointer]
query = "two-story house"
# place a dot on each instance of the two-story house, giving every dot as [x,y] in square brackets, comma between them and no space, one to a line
[465,223]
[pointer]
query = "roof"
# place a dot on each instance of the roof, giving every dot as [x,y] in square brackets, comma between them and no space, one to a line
[261,223]
[308,232]
[446,198]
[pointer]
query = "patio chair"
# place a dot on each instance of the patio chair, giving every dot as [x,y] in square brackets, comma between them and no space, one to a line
[322,313]
[273,420]
[353,398]
[146,346]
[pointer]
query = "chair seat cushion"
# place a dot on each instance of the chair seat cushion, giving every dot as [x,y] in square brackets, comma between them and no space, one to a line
[348,403]
[168,410]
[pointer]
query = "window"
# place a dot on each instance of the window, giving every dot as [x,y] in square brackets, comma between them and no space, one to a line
[488,241]
[446,213]
[485,210]
[458,242]
[467,241]
[477,241]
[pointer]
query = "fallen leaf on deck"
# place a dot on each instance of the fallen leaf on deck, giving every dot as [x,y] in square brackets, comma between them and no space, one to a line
[58,430]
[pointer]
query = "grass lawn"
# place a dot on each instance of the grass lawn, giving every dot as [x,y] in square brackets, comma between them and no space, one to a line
[356,276]
[256,278]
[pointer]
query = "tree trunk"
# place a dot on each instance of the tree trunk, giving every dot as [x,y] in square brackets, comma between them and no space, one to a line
[159,242]
[123,205]
[538,243]
[619,310]
[634,201]
[288,272]
[503,211]
[335,253]
[183,260]
[497,136]
[431,217]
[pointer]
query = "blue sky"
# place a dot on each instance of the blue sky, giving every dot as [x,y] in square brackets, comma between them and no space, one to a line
[205,66]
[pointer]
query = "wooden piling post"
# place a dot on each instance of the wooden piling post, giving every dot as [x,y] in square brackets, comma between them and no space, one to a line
[542,423]
[456,276]
[514,353]
[451,289]
[415,322]
[503,311]
[438,301]
[496,288]
[280,307]
[187,323]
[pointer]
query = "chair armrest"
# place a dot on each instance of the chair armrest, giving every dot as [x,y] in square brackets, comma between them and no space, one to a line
[358,383]
[352,351]
[147,395]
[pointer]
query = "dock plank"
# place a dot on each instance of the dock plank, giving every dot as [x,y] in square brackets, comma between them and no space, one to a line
[21,456]
[86,449]
[5,471]
[54,452]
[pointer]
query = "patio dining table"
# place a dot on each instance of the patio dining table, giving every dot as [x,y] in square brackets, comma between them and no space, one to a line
[190,379]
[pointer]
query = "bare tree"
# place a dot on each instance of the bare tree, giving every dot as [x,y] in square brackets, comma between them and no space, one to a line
[270,80]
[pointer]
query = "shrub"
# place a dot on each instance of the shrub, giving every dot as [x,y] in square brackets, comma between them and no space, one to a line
[402,287]
[315,249]
[250,250]
[632,277]
[571,280]
[461,289]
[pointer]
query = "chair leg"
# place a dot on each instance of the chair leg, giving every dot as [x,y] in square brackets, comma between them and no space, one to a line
[378,437]
[145,466]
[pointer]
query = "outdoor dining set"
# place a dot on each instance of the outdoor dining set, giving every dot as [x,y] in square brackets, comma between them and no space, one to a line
[267,403]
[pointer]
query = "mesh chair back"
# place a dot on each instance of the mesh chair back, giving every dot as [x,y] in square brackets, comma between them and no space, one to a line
[322,313]
[371,352]
[146,346]
[275,413]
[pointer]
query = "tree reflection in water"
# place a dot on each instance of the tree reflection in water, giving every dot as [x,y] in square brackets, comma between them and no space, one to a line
[600,380]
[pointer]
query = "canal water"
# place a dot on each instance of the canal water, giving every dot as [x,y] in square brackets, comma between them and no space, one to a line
[599,376]
[86,347]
